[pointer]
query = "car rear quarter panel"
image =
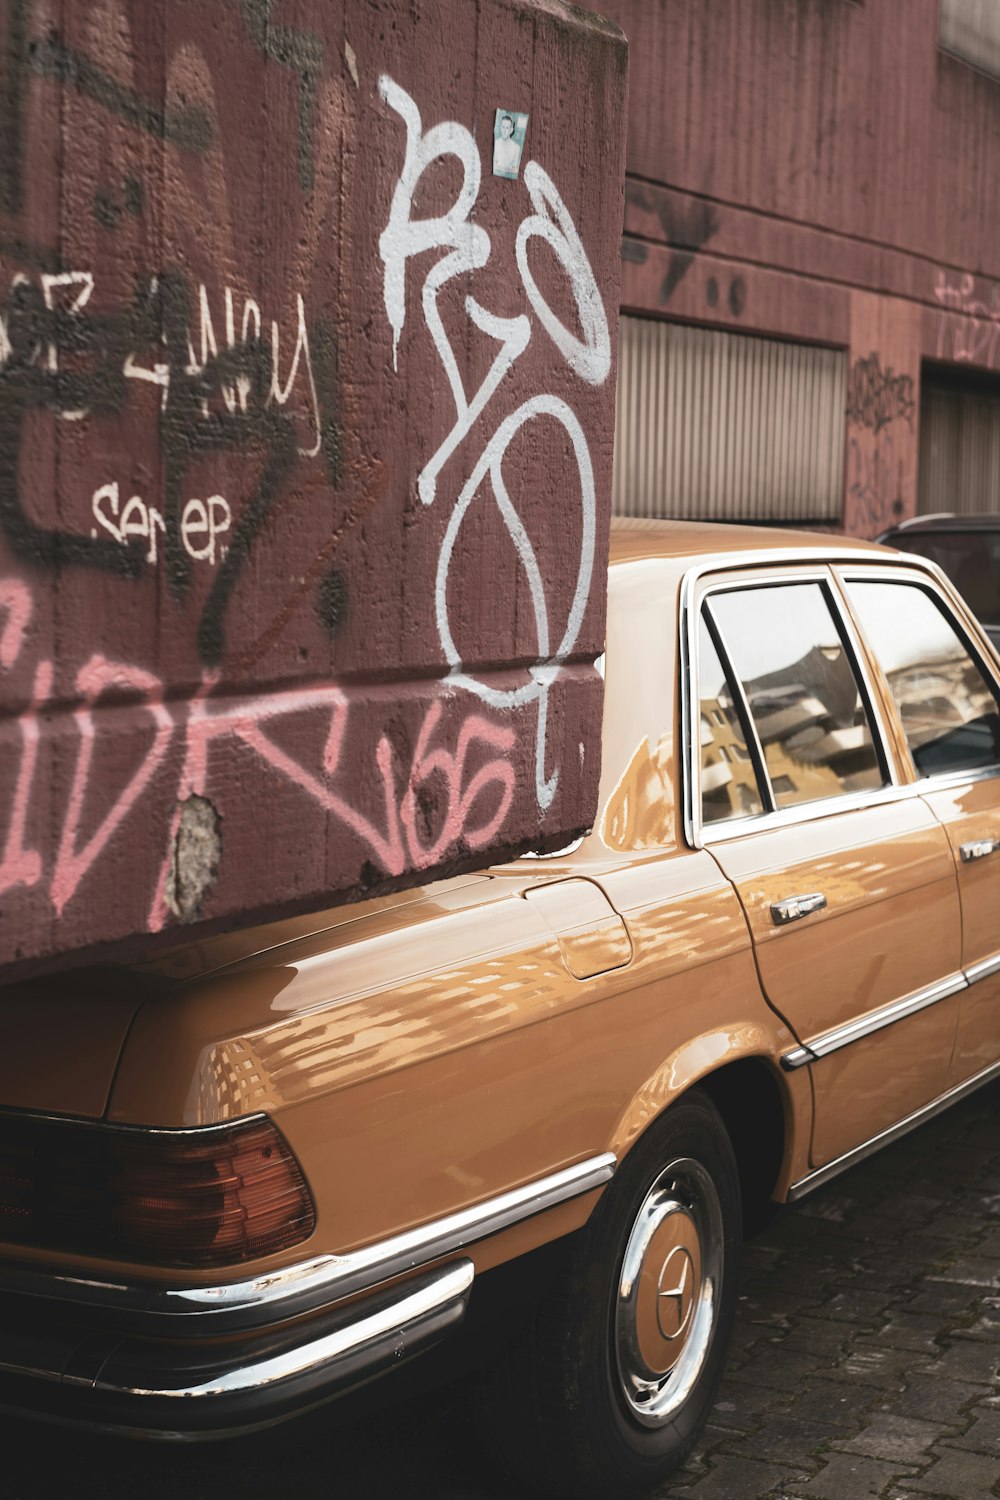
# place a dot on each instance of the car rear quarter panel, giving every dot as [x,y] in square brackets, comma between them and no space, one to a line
[420,1072]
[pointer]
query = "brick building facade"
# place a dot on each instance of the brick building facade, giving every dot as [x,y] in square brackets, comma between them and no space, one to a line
[811,264]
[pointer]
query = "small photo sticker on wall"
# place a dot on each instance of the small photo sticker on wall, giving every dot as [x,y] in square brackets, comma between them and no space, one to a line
[509,130]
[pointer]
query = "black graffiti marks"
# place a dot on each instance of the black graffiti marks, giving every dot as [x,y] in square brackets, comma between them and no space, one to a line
[189,127]
[332,600]
[13,82]
[30,378]
[108,207]
[48,56]
[874,481]
[687,230]
[62,358]
[306,55]
[876,397]
[737,295]
[326,375]
[687,227]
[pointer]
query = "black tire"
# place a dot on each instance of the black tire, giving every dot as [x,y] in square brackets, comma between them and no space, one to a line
[578,1404]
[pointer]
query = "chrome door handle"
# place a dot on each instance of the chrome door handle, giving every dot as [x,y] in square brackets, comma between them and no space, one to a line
[794,907]
[978,849]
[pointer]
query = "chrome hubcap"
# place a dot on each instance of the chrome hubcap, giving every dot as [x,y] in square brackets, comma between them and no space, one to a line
[668,1292]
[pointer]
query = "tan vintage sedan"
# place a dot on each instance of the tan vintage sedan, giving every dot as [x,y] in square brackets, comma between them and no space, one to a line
[270,1166]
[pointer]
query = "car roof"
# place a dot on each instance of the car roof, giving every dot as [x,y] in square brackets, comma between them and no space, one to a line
[634,538]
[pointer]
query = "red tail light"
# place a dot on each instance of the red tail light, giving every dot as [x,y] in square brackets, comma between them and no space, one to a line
[168,1198]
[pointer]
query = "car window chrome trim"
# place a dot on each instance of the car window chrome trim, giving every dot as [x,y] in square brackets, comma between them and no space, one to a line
[774,565]
[805,812]
[932,583]
[742,706]
[885,1137]
[826,577]
[886,1015]
[306,1285]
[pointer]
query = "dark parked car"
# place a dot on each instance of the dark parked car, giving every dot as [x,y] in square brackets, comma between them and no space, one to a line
[968,549]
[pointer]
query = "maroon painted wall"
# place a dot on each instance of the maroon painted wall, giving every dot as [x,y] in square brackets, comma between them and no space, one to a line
[818,170]
[306,422]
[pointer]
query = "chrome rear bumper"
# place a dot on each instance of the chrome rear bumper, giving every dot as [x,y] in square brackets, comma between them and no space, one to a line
[196,1388]
[193,1361]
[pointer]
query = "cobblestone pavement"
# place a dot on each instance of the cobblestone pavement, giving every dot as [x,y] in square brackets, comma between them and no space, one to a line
[865,1363]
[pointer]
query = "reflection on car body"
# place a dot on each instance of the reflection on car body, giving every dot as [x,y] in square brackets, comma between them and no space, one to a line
[268,1166]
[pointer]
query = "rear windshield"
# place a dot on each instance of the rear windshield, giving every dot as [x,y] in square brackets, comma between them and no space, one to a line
[971,560]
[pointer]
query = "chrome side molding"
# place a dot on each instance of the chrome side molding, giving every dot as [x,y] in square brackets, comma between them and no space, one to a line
[984,969]
[896,1010]
[886,1015]
[892,1133]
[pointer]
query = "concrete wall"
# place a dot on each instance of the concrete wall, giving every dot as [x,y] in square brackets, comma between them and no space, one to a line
[818,170]
[306,423]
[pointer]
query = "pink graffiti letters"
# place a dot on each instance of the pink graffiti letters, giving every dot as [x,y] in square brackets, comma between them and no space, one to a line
[95,678]
[430,801]
[15,601]
[969,330]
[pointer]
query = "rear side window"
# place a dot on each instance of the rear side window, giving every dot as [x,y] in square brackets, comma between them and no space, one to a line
[728,780]
[948,706]
[806,703]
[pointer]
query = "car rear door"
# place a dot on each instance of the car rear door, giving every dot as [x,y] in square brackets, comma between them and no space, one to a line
[846,878]
[946,696]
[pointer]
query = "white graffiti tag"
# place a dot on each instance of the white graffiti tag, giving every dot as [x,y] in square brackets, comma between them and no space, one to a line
[587,352]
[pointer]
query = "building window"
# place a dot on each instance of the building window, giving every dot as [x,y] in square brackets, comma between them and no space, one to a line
[970,29]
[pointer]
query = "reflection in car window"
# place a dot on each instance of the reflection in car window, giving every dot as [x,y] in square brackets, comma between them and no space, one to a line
[806,703]
[947,706]
[728,780]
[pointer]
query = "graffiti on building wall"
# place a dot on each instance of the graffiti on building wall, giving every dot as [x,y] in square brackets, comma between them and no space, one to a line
[686,227]
[877,397]
[588,355]
[879,401]
[873,483]
[238,392]
[476,801]
[969,328]
[245,387]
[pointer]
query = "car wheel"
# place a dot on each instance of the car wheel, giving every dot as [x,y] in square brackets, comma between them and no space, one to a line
[606,1391]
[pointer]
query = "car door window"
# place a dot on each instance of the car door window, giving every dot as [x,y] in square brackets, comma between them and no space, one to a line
[947,705]
[728,780]
[785,645]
